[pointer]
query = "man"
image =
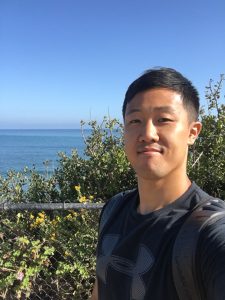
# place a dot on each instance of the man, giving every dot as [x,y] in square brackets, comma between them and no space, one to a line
[137,233]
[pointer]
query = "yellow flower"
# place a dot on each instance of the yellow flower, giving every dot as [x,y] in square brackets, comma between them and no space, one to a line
[53,236]
[82,199]
[67,253]
[39,221]
[69,217]
[77,188]
[54,222]
[41,215]
[31,216]
[75,214]
[91,197]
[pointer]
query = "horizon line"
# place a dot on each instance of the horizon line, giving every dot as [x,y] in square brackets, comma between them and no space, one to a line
[42,128]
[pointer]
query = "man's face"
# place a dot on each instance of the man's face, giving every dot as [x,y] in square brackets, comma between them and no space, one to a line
[157,134]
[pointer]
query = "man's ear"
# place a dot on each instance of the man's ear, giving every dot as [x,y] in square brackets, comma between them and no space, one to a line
[195,129]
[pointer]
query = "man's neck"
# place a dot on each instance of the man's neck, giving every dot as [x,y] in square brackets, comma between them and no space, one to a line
[156,194]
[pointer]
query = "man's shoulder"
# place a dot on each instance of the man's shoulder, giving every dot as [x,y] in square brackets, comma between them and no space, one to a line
[211,218]
[215,209]
[114,204]
[120,198]
[211,245]
[207,201]
[204,223]
[202,240]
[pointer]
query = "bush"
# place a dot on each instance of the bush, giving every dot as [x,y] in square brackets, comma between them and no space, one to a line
[104,171]
[47,255]
[207,157]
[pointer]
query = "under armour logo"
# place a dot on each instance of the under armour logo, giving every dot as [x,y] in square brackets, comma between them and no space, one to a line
[135,270]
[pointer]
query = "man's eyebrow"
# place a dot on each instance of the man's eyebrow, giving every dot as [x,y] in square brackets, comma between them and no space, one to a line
[167,109]
[133,110]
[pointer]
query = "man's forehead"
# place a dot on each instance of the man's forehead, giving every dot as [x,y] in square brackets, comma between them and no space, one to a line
[135,109]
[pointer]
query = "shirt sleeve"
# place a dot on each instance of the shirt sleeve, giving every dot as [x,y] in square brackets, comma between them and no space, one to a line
[210,260]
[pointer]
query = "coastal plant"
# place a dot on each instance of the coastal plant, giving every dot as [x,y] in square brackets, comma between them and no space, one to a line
[104,170]
[28,186]
[207,156]
[41,188]
[48,255]
[12,187]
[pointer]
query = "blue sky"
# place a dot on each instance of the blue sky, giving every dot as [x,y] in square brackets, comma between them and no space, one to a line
[66,60]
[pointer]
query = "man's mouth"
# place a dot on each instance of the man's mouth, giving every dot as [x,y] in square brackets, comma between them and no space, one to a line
[150,150]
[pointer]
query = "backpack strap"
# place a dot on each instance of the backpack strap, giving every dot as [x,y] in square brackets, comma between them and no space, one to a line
[184,251]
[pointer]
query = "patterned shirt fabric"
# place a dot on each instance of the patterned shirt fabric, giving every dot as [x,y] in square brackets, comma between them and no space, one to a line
[134,254]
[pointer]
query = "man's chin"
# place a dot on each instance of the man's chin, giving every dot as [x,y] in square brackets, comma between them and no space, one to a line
[152,175]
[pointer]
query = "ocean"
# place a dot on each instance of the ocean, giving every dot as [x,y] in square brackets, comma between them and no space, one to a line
[29,148]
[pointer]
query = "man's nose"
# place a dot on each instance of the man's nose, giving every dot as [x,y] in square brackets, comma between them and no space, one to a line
[149,132]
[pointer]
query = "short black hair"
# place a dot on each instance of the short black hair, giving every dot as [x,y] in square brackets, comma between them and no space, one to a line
[167,78]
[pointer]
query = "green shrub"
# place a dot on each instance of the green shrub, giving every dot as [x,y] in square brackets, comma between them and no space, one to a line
[47,254]
[207,157]
[104,171]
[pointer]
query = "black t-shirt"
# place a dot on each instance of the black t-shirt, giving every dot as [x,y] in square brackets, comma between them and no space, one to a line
[134,251]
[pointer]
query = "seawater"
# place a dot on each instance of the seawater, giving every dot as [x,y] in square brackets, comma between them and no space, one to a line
[31,148]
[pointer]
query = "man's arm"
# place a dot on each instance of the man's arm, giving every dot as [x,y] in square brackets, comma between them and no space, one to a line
[94,295]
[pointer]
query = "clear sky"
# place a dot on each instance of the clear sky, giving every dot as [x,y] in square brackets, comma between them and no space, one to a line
[66,60]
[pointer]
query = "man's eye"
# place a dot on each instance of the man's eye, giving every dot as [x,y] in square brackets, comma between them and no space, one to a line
[163,120]
[134,121]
